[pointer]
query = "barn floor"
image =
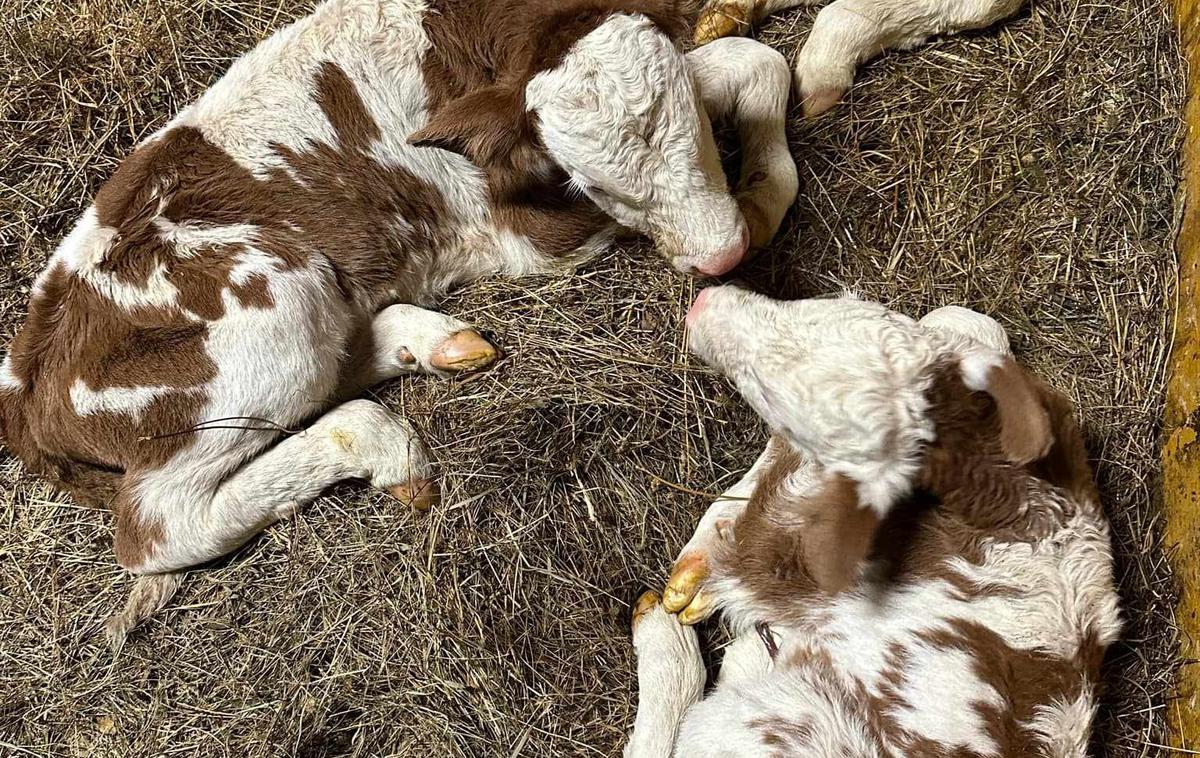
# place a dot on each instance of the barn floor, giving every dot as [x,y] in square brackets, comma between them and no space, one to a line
[1029,171]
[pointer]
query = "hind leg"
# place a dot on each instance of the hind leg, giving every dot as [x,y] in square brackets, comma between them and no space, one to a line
[749,83]
[167,525]
[670,678]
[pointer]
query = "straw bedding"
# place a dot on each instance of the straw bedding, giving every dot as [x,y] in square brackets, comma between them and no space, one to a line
[1029,171]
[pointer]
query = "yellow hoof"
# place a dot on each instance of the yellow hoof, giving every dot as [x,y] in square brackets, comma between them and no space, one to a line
[463,351]
[421,494]
[688,574]
[699,609]
[644,605]
[724,19]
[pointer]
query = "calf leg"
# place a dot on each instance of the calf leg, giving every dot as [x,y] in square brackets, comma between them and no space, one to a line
[729,18]
[850,32]
[749,82]
[685,593]
[156,540]
[405,339]
[356,440]
[670,678]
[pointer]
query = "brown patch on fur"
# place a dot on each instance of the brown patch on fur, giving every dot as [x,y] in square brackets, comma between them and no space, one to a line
[766,556]
[482,57]
[970,471]
[1024,679]
[787,543]
[1066,464]
[837,534]
[136,537]
[788,737]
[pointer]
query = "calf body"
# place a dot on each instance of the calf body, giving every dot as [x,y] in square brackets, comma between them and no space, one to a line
[264,256]
[976,629]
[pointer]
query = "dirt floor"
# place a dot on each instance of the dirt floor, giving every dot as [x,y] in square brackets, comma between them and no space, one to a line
[1029,171]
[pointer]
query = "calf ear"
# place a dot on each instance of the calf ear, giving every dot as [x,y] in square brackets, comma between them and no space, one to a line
[1025,430]
[837,536]
[484,125]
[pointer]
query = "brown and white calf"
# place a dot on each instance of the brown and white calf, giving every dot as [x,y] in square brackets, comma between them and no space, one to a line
[977,625]
[264,257]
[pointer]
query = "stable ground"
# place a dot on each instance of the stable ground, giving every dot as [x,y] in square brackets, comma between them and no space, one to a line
[1029,171]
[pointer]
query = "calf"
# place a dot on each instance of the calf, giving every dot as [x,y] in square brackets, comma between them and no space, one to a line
[978,624]
[848,33]
[266,255]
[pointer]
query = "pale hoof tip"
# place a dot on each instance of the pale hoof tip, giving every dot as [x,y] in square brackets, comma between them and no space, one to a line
[817,102]
[646,603]
[464,351]
[421,494]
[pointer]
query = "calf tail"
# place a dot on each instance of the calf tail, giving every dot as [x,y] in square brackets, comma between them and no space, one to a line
[151,592]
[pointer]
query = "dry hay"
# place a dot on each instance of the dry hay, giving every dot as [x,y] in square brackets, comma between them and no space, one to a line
[1029,171]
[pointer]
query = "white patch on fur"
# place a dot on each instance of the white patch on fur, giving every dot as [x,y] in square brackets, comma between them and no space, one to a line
[964,327]
[976,365]
[84,247]
[192,239]
[1064,727]
[130,401]
[946,676]
[9,380]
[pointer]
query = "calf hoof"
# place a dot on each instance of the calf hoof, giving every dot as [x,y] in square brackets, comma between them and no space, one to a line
[646,603]
[683,594]
[700,608]
[759,221]
[731,18]
[822,80]
[421,494]
[463,351]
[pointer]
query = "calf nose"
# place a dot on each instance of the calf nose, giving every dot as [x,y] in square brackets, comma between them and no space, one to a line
[698,305]
[726,260]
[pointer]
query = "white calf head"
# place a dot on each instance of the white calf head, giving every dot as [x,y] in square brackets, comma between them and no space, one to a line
[621,116]
[843,380]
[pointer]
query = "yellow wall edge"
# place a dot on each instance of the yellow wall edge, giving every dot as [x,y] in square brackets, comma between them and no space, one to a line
[1181,452]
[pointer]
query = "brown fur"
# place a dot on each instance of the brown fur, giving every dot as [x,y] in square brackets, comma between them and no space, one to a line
[1025,434]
